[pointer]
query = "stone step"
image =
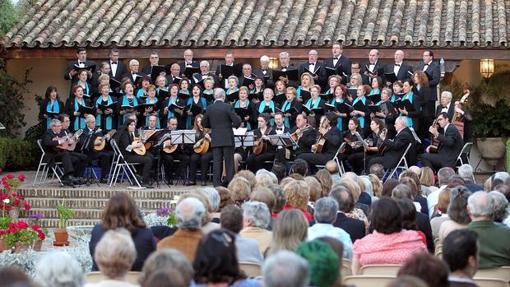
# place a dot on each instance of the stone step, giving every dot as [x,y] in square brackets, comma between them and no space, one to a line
[53,222]
[88,203]
[102,192]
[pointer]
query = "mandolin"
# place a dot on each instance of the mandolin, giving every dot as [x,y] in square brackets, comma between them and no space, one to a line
[201,146]
[137,140]
[100,142]
[69,141]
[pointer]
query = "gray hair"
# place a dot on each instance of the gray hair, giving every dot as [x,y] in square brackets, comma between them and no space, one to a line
[204,62]
[89,118]
[402,191]
[499,204]
[257,212]
[134,62]
[189,213]
[444,174]
[479,205]
[284,269]
[501,175]
[235,78]
[59,269]
[466,171]
[264,172]
[55,122]
[213,196]
[448,94]
[402,119]
[326,210]
[219,94]
[115,253]
[264,58]
[368,185]
[165,259]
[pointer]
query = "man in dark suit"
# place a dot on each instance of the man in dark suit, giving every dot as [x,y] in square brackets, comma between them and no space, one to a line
[315,67]
[153,61]
[333,139]
[264,72]
[339,61]
[173,73]
[373,68]
[117,67]
[450,144]
[433,72]
[306,133]
[285,66]
[394,149]
[221,118]
[81,62]
[446,105]
[247,78]
[133,73]
[188,61]
[401,70]
[345,200]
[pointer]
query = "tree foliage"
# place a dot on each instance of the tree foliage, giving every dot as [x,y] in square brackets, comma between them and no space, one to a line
[8,16]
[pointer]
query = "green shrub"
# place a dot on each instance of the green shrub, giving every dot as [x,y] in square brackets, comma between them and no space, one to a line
[17,154]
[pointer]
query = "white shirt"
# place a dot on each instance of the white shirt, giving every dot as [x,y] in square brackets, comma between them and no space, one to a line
[396,68]
[371,67]
[113,67]
[445,109]
[433,198]
[335,60]
[311,67]
[426,66]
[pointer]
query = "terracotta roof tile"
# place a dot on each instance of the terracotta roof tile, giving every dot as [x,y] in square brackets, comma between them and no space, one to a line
[270,23]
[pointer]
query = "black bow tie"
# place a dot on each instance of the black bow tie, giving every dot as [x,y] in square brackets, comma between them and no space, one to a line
[81,63]
[398,65]
[114,63]
[313,64]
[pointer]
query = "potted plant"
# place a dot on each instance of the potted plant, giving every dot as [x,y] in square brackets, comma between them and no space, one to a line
[11,201]
[20,235]
[489,105]
[4,224]
[41,232]
[61,235]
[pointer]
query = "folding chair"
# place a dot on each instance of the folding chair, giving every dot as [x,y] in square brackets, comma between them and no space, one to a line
[402,163]
[466,151]
[121,164]
[367,280]
[502,273]
[251,269]
[45,164]
[339,163]
[380,269]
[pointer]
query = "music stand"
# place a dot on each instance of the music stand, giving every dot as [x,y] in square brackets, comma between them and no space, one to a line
[183,136]
[283,140]
[244,140]
[365,149]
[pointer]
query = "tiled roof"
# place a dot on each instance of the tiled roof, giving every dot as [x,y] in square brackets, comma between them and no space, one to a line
[263,23]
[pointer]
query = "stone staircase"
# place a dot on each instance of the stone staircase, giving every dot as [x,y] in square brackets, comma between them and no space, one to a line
[89,202]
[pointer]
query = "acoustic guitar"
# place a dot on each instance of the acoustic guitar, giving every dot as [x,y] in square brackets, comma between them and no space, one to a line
[69,141]
[100,142]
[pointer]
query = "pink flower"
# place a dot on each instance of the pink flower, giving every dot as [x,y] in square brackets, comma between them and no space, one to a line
[22,177]
[22,224]
[10,176]
[27,205]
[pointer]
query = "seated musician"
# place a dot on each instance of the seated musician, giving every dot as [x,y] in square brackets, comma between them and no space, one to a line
[352,152]
[358,160]
[304,134]
[127,145]
[280,129]
[87,147]
[171,153]
[262,150]
[450,144]
[52,141]
[394,149]
[329,133]
[196,158]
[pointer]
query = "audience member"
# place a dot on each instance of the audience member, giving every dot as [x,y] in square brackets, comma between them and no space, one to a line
[499,206]
[121,212]
[297,195]
[460,252]
[284,269]
[315,189]
[280,200]
[214,201]
[240,189]
[189,213]
[15,277]
[377,169]
[441,212]
[247,249]
[407,281]
[377,186]
[165,278]
[225,196]
[58,269]
[325,215]
[388,243]
[443,175]
[299,166]
[322,261]
[354,227]
[426,267]
[256,218]
[290,228]
[325,180]
[465,171]
[411,178]
[494,238]
[427,181]
[458,217]
[166,259]
[388,186]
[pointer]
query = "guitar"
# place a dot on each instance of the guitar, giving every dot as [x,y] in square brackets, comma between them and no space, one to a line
[169,148]
[69,141]
[260,145]
[100,142]
[137,140]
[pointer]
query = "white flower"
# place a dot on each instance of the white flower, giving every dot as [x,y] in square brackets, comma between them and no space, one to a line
[7,201]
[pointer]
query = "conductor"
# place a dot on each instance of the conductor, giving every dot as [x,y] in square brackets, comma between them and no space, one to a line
[221,118]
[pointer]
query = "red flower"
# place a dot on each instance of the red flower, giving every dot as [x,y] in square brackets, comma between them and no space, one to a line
[41,235]
[12,228]
[22,224]
[27,205]
[22,177]
[10,176]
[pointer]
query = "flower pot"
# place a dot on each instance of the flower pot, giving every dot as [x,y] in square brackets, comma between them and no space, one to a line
[20,247]
[61,237]
[491,150]
[3,245]
[37,245]
[14,214]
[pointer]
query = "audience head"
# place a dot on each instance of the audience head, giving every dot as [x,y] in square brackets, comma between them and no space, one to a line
[315,188]
[465,171]
[443,202]
[322,261]
[300,167]
[499,205]
[343,198]
[457,210]
[378,170]
[121,211]
[216,258]
[248,175]
[499,177]
[455,181]
[427,267]
[279,196]
[408,214]
[407,281]
[232,218]
[377,186]
[213,197]
[15,277]
[189,213]
[225,196]
[325,180]
[166,277]
[480,206]
[297,194]
[460,251]
[115,253]
[58,269]
[427,176]
[402,191]
[326,209]
[256,214]
[331,167]
[284,269]
[290,228]
[279,170]
[166,259]
[388,186]
[264,177]
[239,189]
[386,216]
[444,174]
[352,186]
[265,195]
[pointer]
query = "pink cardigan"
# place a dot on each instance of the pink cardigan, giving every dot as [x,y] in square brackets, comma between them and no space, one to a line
[395,248]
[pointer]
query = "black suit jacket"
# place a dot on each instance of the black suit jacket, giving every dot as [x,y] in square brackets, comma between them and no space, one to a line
[47,142]
[378,69]
[423,223]
[194,64]
[344,63]
[70,66]
[396,147]
[121,71]
[306,141]
[268,77]
[433,72]
[42,111]
[333,141]
[320,71]
[355,227]
[221,118]
[125,139]
[403,72]
[450,145]
[451,111]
